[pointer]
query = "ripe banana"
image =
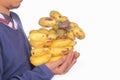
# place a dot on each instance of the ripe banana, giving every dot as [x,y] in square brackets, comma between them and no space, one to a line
[77,31]
[52,59]
[39,44]
[41,36]
[62,43]
[37,36]
[38,60]
[39,51]
[61,33]
[63,18]
[47,22]
[70,35]
[52,31]
[55,14]
[57,51]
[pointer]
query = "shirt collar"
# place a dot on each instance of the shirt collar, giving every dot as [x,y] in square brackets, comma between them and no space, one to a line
[1,16]
[9,22]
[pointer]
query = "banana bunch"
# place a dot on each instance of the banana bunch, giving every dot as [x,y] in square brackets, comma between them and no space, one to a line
[54,39]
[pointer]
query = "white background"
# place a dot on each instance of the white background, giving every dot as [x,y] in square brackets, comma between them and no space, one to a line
[100,19]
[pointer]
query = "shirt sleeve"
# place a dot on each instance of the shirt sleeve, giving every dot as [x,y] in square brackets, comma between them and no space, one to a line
[41,72]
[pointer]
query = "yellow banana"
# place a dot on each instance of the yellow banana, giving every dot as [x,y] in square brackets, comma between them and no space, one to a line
[38,60]
[62,19]
[78,32]
[55,27]
[47,22]
[61,33]
[55,14]
[63,43]
[52,31]
[38,44]
[37,36]
[42,36]
[70,35]
[51,36]
[52,59]
[39,51]
[57,51]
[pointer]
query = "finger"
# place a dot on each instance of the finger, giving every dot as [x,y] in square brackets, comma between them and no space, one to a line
[65,70]
[70,66]
[54,65]
[70,56]
[68,61]
[76,55]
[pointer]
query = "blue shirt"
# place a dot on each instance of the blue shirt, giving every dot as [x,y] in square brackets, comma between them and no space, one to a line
[15,53]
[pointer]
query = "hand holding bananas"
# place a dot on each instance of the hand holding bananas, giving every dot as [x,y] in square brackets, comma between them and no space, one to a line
[54,39]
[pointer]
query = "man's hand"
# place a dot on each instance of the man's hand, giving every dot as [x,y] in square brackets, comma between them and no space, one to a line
[64,64]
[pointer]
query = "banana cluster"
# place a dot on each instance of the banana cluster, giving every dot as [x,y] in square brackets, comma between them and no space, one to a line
[54,39]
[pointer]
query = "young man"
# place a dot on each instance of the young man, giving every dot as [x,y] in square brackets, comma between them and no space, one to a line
[15,50]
